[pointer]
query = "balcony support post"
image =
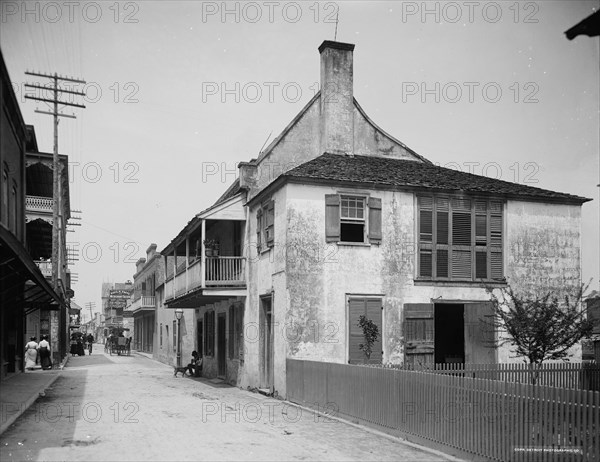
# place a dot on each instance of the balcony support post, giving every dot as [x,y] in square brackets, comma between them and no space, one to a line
[203,256]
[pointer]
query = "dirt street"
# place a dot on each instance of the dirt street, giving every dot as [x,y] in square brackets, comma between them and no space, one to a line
[132,408]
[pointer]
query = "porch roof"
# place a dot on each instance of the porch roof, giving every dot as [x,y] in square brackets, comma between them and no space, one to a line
[37,290]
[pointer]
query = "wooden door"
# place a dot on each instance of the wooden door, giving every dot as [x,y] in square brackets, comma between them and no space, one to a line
[479,334]
[221,345]
[419,334]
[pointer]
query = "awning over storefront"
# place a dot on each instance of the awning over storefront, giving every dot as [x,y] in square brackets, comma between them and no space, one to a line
[20,271]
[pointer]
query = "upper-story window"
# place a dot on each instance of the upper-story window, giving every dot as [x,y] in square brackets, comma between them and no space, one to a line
[459,238]
[265,226]
[352,218]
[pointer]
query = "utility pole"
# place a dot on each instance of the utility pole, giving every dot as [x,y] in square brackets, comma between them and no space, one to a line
[91,305]
[55,163]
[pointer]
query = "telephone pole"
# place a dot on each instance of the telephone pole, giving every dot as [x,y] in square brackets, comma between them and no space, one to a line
[91,305]
[55,163]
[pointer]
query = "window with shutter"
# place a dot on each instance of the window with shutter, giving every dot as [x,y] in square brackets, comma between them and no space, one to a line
[353,219]
[270,223]
[371,308]
[265,226]
[259,227]
[459,238]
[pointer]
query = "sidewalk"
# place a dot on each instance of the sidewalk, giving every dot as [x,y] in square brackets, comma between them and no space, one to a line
[21,390]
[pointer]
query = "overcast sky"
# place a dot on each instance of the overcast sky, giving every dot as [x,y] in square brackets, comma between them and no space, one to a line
[179,92]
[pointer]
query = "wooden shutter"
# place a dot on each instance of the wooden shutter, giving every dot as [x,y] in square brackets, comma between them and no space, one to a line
[205,325]
[356,307]
[479,334]
[212,333]
[270,224]
[374,220]
[332,217]
[231,333]
[461,228]
[425,263]
[442,228]
[496,260]
[259,226]
[371,308]
[418,334]
[441,263]
[425,225]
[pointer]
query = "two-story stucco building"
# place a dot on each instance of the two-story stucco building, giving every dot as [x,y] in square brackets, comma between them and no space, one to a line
[337,219]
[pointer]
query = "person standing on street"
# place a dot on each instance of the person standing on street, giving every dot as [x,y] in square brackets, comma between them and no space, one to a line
[45,356]
[90,340]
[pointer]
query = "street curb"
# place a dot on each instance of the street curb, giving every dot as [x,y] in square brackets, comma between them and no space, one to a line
[27,404]
[380,433]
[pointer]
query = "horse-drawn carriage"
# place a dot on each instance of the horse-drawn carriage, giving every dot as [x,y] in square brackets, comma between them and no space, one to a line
[117,343]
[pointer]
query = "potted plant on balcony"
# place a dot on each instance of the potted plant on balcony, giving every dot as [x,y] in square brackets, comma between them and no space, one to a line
[211,247]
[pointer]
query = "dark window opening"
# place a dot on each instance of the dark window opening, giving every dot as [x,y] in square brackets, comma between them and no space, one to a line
[352,232]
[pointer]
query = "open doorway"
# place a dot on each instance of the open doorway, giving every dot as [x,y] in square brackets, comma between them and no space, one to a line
[449,333]
[266,345]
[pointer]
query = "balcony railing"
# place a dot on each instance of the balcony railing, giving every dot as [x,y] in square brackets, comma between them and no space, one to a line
[225,271]
[45,268]
[220,271]
[38,204]
[144,301]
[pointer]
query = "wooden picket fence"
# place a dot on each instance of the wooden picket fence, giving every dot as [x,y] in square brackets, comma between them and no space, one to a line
[583,376]
[490,419]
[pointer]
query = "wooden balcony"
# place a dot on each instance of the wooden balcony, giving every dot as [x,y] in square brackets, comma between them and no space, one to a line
[38,204]
[219,272]
[144,302]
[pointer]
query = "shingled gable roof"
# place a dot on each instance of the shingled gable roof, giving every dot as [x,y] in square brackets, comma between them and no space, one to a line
[233,190]
[391,173]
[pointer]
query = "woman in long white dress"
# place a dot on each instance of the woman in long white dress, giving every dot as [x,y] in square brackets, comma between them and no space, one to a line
[31,353]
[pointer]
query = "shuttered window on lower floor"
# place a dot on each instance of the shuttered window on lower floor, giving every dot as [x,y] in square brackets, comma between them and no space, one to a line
[460,238]
[372,309]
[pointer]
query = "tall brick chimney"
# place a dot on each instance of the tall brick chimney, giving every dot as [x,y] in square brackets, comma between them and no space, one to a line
[140,264]
[337,107]
[150,251]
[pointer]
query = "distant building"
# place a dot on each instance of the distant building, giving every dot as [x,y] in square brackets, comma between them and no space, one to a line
[149,275]
[114,306]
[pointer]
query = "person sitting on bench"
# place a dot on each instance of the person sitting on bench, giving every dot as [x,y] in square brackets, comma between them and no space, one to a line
[195,365]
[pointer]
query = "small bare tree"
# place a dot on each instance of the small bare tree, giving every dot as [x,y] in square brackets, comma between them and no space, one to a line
[540,327]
